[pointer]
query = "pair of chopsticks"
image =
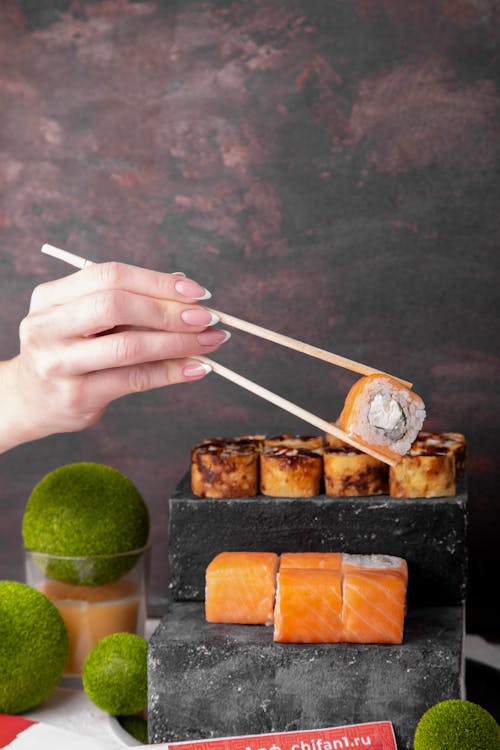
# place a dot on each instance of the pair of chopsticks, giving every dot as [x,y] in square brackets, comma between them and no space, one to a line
[278,338]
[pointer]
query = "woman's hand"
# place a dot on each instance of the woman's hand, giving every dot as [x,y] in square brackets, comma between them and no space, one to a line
[96,335]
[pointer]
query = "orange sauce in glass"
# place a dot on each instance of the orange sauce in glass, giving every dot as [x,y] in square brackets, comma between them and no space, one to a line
[93,612]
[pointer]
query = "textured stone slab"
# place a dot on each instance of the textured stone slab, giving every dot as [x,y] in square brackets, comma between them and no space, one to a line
[429,532]
[208,680]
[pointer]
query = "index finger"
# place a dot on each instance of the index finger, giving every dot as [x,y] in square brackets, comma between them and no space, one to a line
[117,276]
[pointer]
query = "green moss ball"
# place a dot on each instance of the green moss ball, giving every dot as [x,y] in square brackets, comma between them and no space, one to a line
[34,647]
[114,674]
[85,510]
[457,725]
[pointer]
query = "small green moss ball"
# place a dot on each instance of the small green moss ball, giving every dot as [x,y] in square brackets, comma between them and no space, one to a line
[34,647]
[82,510]
[457,725]
[114,674]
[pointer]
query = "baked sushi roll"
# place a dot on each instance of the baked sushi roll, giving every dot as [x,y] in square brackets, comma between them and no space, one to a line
[290,472]
[224,469]
[381,413]
[350,473]
[426,474]
[310,442]
[452,442]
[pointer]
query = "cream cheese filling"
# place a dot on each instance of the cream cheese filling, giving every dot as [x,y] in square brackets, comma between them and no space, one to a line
[386,414]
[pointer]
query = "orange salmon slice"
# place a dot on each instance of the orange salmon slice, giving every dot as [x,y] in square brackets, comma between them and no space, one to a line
[308,606]
[374,603]
[321,560]
[240,587]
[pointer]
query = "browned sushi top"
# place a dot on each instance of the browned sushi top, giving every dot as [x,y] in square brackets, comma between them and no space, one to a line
[289,455]
[224,447]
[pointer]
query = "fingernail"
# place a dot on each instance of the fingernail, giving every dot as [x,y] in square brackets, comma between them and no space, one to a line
[177,273]
[191,289]
[199,317]
[213,337]
[195,369]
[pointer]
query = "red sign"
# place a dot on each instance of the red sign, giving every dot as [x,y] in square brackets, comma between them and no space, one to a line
[377,735]
[11,726]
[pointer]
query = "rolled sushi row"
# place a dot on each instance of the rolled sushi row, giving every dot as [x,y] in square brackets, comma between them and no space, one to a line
[305,466]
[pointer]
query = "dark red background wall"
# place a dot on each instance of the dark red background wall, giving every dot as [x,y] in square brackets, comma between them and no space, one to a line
[328,168]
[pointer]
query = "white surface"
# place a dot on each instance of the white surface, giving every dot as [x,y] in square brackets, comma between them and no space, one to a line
[72,710]
[40,736]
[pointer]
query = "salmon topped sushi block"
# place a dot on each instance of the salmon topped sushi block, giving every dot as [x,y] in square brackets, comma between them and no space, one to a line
[374,606]
[351,598]
[241,588]
[308,606]
[380,412]
[320,560]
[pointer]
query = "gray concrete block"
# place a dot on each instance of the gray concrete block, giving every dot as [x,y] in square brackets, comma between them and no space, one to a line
[209,680]
[430,533]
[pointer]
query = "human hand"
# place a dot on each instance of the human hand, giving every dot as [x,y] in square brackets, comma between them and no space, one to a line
[99,334]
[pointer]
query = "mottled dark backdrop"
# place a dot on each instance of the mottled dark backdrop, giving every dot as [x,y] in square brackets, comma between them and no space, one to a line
[328,168]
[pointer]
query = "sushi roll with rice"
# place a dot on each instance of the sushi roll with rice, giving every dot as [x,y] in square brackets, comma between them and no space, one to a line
[351,473]
[380,412]
[290,472]
[225,469]
[430,473]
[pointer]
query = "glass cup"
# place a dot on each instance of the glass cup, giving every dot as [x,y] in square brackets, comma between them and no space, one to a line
[96,595]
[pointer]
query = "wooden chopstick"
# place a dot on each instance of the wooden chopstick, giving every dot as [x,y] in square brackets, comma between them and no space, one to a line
[67,257]
[301,346]
[245,383]
[252,328]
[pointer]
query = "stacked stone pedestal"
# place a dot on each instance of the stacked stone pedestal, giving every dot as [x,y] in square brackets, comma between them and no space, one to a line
[208,680]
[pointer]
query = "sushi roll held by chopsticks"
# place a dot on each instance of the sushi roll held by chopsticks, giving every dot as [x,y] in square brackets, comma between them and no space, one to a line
[381,412]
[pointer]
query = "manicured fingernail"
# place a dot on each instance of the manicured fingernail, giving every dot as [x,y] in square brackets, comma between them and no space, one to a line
[195,369]
[199,317]
[213,337]
[191,289]
[177,273]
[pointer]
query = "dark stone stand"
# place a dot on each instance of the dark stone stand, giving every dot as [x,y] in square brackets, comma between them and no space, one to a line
[209,680]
